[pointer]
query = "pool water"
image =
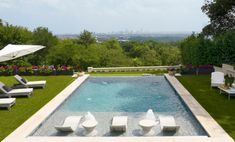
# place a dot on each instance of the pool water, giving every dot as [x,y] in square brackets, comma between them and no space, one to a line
[124,94]
[106,97]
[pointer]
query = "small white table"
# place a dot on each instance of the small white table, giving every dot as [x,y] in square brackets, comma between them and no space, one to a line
[147,126]
[89,127]
[230,91]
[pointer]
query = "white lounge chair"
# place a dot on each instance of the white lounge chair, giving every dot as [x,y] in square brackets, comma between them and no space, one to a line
[30,84]
[167,123]
[9,92]
[119,123]
[148,123]
[89,125]
[7,102]
[233,85]
[217,79]
[70,124]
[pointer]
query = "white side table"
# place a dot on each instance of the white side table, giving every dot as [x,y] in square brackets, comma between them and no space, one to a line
[147,126]
[89,127]
[230,91]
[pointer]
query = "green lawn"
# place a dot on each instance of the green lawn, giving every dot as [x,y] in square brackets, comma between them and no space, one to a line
[26,107]
[220,108]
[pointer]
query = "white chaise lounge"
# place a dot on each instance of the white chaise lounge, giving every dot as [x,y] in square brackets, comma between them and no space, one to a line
[30,84]
[217,79]
[89,124]
[148,123]
[167,123]
[9,92]
[119,123]
[70,124]
[7,102]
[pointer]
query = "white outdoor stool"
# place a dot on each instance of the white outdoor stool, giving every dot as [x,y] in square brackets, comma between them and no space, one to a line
[89,127]
[147,127]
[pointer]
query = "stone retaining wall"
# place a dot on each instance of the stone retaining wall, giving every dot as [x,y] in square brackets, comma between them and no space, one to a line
[143,68]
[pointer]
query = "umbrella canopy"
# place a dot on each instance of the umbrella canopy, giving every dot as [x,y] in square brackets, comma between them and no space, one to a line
[11,51]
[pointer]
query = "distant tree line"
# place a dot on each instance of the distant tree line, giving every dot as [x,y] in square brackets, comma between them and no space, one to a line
[85,51]
[216,43]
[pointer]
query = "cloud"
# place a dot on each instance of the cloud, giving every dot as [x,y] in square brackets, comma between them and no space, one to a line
[69,16]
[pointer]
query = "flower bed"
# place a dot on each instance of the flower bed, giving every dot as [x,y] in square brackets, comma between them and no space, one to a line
[36,70]
[201,69]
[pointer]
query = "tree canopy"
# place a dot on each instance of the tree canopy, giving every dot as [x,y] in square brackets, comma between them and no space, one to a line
[84,51]
[221,14]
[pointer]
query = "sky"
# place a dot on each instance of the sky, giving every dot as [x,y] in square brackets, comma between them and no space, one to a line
[105,16]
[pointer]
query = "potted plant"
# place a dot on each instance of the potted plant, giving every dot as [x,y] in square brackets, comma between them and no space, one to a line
[171,71]
[228,80]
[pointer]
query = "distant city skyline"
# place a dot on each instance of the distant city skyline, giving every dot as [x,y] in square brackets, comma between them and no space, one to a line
[106,16]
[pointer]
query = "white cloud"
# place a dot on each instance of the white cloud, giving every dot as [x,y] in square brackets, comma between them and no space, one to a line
[72,16]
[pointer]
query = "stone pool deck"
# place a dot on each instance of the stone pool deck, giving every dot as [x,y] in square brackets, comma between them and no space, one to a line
[215,132]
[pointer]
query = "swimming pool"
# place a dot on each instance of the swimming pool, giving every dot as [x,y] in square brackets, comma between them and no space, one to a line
[124,94]
[131,96]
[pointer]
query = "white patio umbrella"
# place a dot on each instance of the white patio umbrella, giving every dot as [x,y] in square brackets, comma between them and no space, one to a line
[11,51]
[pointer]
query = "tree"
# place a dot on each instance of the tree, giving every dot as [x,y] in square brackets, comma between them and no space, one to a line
[86,38]
[42,36]
[10,34]
[64,53]
[221,14]
[1,22]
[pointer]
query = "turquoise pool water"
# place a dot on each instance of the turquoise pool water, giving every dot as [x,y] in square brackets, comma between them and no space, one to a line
[124,94]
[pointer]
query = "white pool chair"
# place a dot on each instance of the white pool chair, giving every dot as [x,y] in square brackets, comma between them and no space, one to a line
[9,92]
[233,85]
[148,123]
[7,102]
[70,124]
[217,79]
[89,125]
[119,123]
[30,84]
[167,123]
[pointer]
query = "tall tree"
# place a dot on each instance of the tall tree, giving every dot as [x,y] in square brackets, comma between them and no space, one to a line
[42,36]
[86,38]
[221,14]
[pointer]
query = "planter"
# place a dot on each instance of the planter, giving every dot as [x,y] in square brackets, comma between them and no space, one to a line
[172,73]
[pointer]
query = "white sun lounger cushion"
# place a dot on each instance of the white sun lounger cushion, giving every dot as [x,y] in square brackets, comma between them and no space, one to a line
[30,83]
[119,123]
[20,91]
[7,102]
[15,92]
[70,124]
[36,83]
[167,123]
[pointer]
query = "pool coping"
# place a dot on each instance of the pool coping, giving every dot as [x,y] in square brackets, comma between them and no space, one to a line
[214,130]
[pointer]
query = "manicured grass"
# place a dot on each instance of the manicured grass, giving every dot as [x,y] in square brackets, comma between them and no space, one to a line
[130,73]
[219,107]
[26,107]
